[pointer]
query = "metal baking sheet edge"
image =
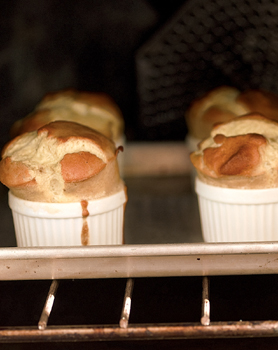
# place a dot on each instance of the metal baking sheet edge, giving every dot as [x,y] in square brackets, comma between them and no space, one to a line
[157,260]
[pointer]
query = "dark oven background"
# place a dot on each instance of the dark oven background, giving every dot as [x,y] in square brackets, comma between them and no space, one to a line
[152,57]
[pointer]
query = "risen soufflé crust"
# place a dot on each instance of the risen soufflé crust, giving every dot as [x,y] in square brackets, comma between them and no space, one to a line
[225,103]
[61,162]
[94,109]
[241,153]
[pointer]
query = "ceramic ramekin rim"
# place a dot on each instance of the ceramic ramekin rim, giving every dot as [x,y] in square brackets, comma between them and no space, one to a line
[65,210]
[235,196]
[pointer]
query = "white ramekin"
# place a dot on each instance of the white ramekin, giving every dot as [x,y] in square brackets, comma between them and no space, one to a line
[192,146]
[62,224]
[237,215]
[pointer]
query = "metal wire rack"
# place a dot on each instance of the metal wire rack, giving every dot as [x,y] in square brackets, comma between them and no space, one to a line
[132,262]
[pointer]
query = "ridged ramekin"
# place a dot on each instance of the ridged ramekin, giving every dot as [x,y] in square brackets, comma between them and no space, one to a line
[191,143]
[63,224]
[237,215]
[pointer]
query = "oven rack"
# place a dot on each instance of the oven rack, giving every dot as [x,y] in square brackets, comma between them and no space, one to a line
[132,262]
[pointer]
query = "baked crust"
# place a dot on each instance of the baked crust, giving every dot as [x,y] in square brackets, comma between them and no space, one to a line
[260,101]
[217,105]
[225,103]
[241,153]
[61,162]
[236,155]
[80,166]
[96,110]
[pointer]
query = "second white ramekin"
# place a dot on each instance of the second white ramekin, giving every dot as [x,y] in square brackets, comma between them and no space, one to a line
[237,215]
[191,143]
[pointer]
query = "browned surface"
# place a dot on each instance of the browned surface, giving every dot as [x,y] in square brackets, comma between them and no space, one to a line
[209,109]
[95,99]
[260,101]
[80,166]
[64,131]
[32,122]
[44,112]
[87,169]
[15,174]
[237,155]
[238,160]
[224,103]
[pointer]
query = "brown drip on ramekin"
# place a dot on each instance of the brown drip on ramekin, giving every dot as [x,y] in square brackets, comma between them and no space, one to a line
[119,149]
[85,227]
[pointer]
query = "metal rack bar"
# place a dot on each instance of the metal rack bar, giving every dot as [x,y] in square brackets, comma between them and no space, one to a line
[125,331]
[130,261]
[48,305]
[141,332]
[127,304]
[205,319]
